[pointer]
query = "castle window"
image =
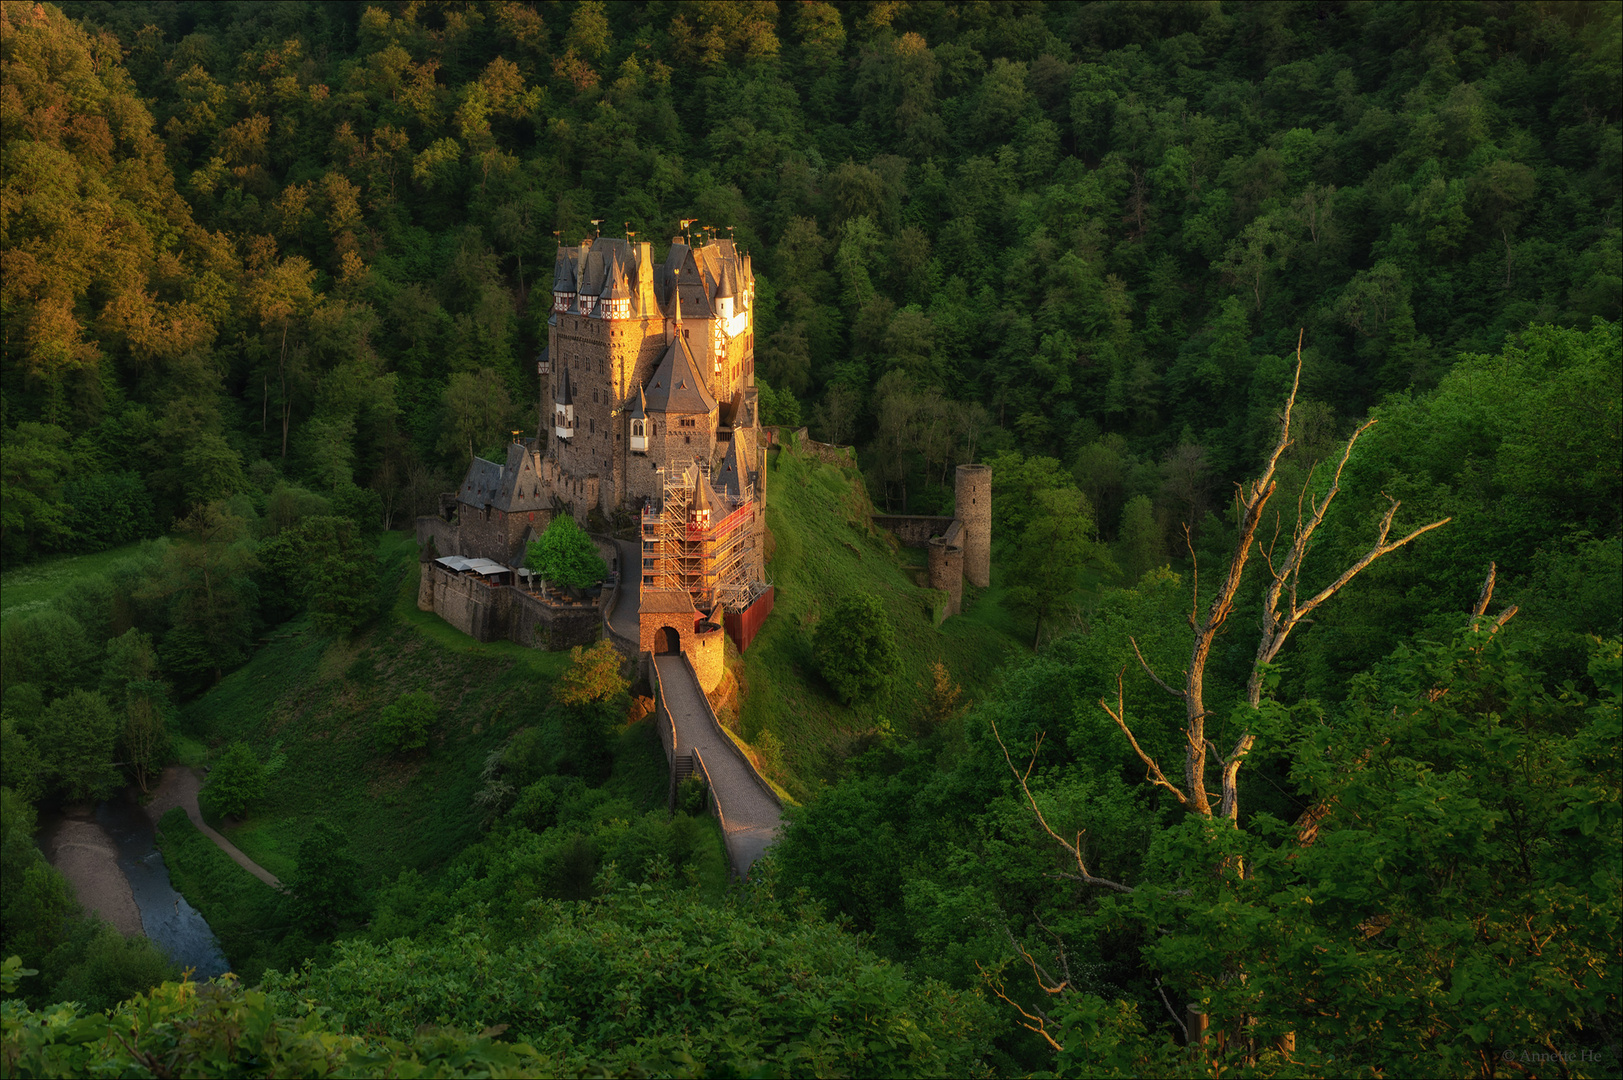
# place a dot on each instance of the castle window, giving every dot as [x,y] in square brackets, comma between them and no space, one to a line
[688,439]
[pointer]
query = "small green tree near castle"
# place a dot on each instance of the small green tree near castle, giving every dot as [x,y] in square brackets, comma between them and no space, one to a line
[405,724]
[566,556]
[855,648]
[236,780]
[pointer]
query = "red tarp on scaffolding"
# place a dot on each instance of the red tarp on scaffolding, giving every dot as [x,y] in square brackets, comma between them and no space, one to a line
[743,627]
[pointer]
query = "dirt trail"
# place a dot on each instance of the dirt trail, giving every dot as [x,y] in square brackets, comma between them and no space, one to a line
[179,787]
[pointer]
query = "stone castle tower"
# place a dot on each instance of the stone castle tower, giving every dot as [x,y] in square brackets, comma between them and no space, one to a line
[652,369]
[973,507]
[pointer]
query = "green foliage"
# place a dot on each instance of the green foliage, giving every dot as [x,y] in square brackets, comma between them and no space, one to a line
[855,648]
[692,796]
[405,725]
[658,948]
[74,740]
[1055,549]
[565,556]
[236,781]
[249,918]
[593,676]
[325,890]
[222,1028]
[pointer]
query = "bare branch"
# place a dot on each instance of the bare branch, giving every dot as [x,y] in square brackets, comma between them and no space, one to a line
[1146,665]
[1176,1019]
[1155,775]
[1509,613]
[1037,1023]
[1486,597]
[1075,849]
[1044,980]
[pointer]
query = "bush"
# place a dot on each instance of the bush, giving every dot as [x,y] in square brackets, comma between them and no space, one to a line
[855,648]
[693,797]
[405,724]
[236,780]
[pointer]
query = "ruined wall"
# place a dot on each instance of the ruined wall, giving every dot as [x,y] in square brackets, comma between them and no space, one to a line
[913,530]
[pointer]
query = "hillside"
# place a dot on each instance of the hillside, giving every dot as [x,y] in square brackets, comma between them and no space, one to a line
[825,548]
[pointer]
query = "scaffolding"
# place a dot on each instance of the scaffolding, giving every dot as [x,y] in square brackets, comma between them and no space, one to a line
[701,546]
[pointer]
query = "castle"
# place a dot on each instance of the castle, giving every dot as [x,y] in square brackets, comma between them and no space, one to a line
[650,371]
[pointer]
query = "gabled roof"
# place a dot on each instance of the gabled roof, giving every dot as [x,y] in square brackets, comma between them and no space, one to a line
[639,408]
[511,488]
[563,391]
[676,386]
[665,602]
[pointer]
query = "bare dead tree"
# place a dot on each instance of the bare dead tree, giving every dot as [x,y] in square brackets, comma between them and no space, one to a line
[1279,617]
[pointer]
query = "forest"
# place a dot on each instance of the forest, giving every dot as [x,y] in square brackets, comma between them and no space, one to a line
[1110,249]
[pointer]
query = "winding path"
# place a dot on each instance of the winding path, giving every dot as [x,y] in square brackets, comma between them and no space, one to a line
[749,814]
[179,787]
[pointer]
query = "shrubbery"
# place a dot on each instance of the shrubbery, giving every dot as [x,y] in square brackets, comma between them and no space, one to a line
[237,780]
[405,724]
[855,648]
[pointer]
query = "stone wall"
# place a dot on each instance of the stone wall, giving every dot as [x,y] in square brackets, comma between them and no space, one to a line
[706,651]
[504,613]
[442,532]
[913,530]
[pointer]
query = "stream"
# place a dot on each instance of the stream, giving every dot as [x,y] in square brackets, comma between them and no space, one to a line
[173,925]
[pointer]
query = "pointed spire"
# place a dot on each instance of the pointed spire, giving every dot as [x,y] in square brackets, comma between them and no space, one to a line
[701,496]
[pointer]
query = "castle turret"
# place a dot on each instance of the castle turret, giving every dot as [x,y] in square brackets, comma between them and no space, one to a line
[563,282]
[973,489]
[563,412]
[615,300]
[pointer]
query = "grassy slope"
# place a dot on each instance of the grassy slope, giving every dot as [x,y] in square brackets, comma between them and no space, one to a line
[314,701]
[29,588]
[825,549]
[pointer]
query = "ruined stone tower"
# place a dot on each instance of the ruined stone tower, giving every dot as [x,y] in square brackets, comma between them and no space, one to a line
[974,509]
[946,566]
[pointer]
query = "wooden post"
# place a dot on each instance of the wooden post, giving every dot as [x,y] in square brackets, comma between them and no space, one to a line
[1197,1021]
[1286,1043]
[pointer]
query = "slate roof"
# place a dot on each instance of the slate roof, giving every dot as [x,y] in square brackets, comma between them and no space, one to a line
[708,273]
[639,408]
[730,480]
[513,488]
[676,386]
[563,391]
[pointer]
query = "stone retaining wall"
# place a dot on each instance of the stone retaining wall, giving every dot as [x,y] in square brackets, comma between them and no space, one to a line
[504,613]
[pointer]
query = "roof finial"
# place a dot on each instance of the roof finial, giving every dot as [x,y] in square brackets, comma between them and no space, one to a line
[676,293]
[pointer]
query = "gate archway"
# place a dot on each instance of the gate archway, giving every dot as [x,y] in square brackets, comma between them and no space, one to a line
[667,641]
